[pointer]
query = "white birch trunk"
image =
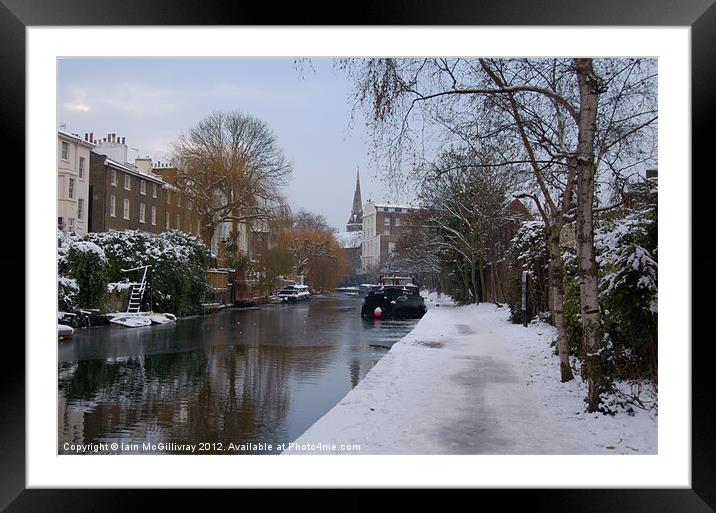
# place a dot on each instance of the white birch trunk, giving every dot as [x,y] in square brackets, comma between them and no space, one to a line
[590,86]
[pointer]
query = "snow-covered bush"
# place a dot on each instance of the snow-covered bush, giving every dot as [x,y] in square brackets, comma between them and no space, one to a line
[178,260]
[627,251]
[67,290]
[528,252]
[571,305]
[82,271]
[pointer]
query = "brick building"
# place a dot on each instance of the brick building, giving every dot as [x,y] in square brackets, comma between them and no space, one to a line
[178,211]
[122,197]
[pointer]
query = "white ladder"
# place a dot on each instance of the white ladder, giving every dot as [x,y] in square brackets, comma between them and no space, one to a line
[138,289]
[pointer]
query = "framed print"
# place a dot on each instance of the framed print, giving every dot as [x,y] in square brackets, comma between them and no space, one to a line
[221,324]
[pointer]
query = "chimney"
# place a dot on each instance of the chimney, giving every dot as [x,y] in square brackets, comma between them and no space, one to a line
[86,136]
[123,139]
[92,138]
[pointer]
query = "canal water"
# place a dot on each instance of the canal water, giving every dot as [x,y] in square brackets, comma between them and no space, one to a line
[241,376]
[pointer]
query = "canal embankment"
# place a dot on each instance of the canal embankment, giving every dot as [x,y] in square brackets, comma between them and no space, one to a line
[467,381]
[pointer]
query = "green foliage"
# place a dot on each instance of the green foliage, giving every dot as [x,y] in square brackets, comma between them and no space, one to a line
[627,257]
[179,264]
[627,251]
[571,306]
[241,263]
[85,265]
[67,290]
[527,252]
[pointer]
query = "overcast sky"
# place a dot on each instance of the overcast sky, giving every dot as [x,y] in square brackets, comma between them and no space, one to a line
[151,101]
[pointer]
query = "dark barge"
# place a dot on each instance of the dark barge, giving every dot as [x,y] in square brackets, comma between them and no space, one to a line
[394,297]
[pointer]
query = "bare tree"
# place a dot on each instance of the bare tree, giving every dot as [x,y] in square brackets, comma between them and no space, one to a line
[466,205]
[231,166]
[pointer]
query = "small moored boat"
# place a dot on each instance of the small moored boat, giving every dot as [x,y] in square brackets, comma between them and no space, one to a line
[140,319]
[295,293]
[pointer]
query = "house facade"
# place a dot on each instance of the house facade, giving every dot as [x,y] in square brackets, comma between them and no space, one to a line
[122,197]
[178,212]
[383,224]
[73,181]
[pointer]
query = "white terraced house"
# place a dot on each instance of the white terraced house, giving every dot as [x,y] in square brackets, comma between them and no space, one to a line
[73,159]
[382,226]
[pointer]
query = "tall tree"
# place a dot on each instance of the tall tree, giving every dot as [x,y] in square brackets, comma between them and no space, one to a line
[231,166]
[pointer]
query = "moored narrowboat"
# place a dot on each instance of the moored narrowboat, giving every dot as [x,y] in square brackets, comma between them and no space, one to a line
[394,297]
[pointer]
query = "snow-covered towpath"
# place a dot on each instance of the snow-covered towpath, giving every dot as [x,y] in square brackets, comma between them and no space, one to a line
[466,381]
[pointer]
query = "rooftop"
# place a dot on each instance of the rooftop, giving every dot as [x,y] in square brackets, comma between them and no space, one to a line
[75,137]
[128,168]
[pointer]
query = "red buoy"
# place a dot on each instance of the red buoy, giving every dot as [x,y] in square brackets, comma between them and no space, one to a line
[378,312]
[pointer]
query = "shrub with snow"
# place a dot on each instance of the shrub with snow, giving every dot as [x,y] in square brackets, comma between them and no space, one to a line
[528,252]
[67,291]
[179,263]
[82,268]
[627,253]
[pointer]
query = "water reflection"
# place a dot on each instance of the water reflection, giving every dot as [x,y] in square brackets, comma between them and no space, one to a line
[241,376]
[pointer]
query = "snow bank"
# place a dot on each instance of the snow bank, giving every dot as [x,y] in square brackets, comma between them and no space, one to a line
[466,381]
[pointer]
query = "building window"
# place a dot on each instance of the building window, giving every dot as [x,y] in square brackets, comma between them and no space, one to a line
[70,224]
[391,248]
[127,182]
[60,223]
[154,215]
[126,208]
[154,190]
[167,220]
[82,167]
[114,177]
[397,221]
[113,206]
[80,208]
[142,187]
[386,221]
[386,231]
[141,212]
[65,151]
[71,190]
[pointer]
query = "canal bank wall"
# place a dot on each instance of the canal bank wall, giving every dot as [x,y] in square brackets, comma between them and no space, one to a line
[467,381]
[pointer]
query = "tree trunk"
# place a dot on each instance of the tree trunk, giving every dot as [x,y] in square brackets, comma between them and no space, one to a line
[590,86]
[473,281]
[483,288]
[465,281]
[556,275]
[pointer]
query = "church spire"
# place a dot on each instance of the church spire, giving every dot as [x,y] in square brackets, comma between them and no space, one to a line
[355,222]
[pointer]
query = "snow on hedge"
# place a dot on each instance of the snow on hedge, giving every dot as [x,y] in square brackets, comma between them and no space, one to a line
[624,259]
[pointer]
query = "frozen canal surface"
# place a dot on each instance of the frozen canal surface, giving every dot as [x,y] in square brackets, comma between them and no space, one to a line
[243,376]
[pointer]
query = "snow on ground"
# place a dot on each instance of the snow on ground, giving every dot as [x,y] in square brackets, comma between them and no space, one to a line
[466,381]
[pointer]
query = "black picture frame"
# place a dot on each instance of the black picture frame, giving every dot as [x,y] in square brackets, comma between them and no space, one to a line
[700,15]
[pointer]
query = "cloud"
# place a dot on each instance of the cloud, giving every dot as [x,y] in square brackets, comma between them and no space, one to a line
[77,106]
[121,97]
